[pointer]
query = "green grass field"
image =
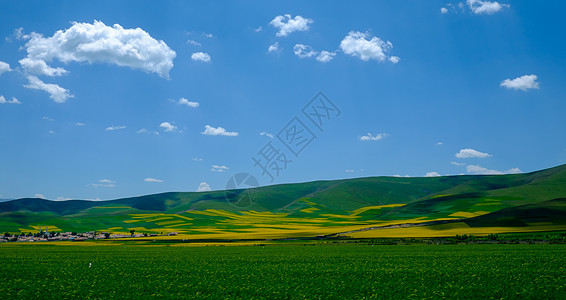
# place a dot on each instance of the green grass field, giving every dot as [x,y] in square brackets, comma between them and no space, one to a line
[283,271]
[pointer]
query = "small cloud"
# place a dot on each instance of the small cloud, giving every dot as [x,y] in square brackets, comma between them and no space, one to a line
[200,56]
[216,168]
[479,170]
[471,153]
[149,179]
[194,43]
[46,118]
[258,29]
[522,83]
[397,175]
[273,47]
[51,132]
[40,196]
[432,174]
[168,127]
[62,199]
[304,51]
[208,35]
[103,183]
[197,159]
[113,128]
[439,144]
[269,135]
[13,101]
[56,93]
[349,171]
[370,137]
[79,124]
[143,130]
[188,103]
[325,56]
[459,164]
[479,7]
[443,10]
[209,130]
[366,47]
[204,187]
[4,67]
[286,24]
[394,59]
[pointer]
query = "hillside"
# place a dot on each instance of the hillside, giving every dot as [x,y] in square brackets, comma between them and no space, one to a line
[311,208]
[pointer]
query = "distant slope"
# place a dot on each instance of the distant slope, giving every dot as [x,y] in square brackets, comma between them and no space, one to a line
[310,207]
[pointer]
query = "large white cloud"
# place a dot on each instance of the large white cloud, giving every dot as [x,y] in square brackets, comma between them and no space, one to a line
[522,83]
[4,67]
[96,42]
[479,7]
[57,93]
[286,24]
[366,47]
[471,153]
[209,130]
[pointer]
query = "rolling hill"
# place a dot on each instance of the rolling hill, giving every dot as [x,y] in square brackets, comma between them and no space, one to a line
[523,202]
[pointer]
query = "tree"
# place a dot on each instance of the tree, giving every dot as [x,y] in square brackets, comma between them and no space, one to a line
[107,235]
[132,232]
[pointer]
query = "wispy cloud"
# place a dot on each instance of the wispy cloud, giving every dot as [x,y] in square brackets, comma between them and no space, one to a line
[269,135]
[216,168]
[471,153]
[479,170]
[370,137]
[113,128]
[184,101]
[149,179]
[13,101]
[209,130]
[103,183]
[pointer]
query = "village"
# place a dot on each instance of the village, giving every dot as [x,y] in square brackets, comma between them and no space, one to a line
[48,236]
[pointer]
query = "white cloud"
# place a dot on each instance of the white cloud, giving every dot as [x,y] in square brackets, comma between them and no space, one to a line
[39,196]
[51,132]
[103,183]
[80,124]
[522,83]
[56,93]
[143,130]
[370,137]
[4,67]
[471,153]
[366,47]
[209,130]
[46,118]
[349,171]
[258,29]
[204,187]
[304,51]
[168,127]
[266,134]
[325,56]
[459,164]
[394,59]
[200,56]
[188,103]
[476,169]
[273,47]
[96,42]
[112,128]
[439,144]
[13,101]
[194,43]
[432,174]
[287,25]
[40,67]
[443,10]
[208,35]
[149,179]
[197,159]
[216,168]
[63,199]
[485,7]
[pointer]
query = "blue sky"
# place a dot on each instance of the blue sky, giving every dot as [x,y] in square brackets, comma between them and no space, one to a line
[109,100]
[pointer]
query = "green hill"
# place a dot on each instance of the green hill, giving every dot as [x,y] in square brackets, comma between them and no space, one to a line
[310,208]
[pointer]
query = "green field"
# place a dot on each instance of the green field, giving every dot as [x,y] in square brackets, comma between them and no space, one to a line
[284,271]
